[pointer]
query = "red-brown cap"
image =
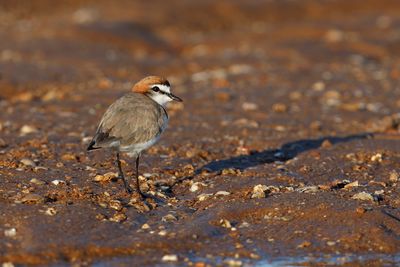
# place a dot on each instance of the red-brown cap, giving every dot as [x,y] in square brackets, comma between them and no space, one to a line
[145,84]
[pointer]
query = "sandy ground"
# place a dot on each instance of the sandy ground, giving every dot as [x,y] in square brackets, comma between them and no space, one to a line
[285,150]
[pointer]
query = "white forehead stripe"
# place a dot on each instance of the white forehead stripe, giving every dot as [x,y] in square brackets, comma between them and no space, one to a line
[163,87]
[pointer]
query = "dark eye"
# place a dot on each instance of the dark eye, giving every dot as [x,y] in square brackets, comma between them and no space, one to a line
[155,89]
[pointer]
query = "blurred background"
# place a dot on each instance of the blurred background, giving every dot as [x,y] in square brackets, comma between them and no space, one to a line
[268,85]
[342,54]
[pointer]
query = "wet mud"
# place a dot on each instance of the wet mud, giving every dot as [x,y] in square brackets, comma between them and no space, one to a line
[285,150]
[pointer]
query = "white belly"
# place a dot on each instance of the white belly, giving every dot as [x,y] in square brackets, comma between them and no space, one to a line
[134,150]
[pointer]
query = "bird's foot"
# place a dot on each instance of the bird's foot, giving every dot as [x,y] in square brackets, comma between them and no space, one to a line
[128,189]
[146,196]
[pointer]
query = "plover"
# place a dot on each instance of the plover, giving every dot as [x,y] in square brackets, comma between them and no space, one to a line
[135,122]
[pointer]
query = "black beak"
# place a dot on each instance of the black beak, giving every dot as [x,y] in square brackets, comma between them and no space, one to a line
[174,97]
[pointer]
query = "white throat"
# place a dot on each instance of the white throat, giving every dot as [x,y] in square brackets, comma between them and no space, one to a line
[160,98]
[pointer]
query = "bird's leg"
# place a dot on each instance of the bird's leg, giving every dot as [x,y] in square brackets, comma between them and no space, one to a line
[121,175]
[137,178]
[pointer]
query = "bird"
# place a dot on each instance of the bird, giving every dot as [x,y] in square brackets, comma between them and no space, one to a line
[135,122]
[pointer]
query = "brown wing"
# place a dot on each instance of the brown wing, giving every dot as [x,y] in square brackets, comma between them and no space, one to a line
[134,118]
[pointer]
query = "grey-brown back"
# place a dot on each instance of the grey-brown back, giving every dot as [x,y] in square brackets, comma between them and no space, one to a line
[132,119]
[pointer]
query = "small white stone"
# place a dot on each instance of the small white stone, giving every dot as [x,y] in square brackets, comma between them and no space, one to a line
[203,197]
[10,232]
[259,191]
[145,226]
[169,218]
[331,243]
[222,193]
[377,157]
[7,264]
[363,196]
[170,257]
[28,162]
[379,192]
[51,212]
[105,177]
[225,223]
[352,184]
[58,182]
[88,168]
[248,106]
[308,189]
[27,129]
[233,263]
[162,233]
[318,86]
[244,225]
[36,181]
[394,176]
[196,186]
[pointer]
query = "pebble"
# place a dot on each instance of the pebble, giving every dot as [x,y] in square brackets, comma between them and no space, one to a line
[377,157]
[32,199]
[2,143]
[318,86]
[308,189]
[243,122]
[352,184]
[105,177]
[360,210]
[51,211]
[379,192]
[363,196]
[326,144]
[28,162]
[170,257]
[10,232]
[225,223]
[88,168]
[259,191]
[248,106]
[68,157]
[36,181]
[7,264]
[279,108]
[230,171]
[331,243]
[334,36]
[244,225]
[394,176]
[27,129]
[168,218]
[85,15]
[118,217]
[162,233]
[203,197]
[58,182]
[115,204]
[332,98]
[222,193]
[304,244]
[233,263]
[145,226]
[196,186]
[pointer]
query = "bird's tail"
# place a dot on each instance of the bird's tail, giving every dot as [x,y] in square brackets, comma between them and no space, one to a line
[91,146]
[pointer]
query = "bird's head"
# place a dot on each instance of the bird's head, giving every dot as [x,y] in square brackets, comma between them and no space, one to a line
[157,88]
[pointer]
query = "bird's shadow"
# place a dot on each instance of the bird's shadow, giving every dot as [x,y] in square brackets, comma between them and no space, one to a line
[284,153]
